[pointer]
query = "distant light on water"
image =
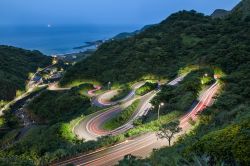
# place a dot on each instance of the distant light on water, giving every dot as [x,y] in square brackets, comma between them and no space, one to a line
[52,39]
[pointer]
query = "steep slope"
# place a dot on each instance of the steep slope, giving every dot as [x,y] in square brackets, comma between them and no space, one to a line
[243,8]
[15,66]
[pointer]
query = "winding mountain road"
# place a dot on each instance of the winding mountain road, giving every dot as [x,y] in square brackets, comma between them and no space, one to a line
[103,100]
[144,144]
[91,93]
[91,127]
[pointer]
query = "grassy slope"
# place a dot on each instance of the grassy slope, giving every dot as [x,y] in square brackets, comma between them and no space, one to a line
[15,66]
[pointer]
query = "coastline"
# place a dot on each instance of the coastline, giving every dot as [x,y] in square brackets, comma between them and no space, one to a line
[59,39]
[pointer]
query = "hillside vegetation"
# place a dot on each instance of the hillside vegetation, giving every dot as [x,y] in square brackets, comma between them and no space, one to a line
[52,106]
[157,52]
[147,87]
[15,66]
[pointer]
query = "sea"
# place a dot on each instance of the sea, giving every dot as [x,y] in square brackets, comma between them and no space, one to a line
[58,40]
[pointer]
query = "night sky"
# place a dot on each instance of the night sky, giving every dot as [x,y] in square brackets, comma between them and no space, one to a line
[100,12]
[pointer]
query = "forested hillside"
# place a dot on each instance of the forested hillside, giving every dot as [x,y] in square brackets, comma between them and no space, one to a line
[159,52]
[183,39]
[15,66]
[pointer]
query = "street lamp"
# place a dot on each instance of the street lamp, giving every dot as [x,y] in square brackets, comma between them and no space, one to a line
[159,107]
[109,84]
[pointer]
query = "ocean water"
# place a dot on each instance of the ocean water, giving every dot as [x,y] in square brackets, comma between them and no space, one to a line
[56,40]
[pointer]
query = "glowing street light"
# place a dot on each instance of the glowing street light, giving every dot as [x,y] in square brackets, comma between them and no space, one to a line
[109,83]
[159,107]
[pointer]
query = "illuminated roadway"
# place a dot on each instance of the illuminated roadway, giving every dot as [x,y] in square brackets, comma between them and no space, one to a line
[143,145]
[103,99]
[92,92]
[91,127]
[94,125]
